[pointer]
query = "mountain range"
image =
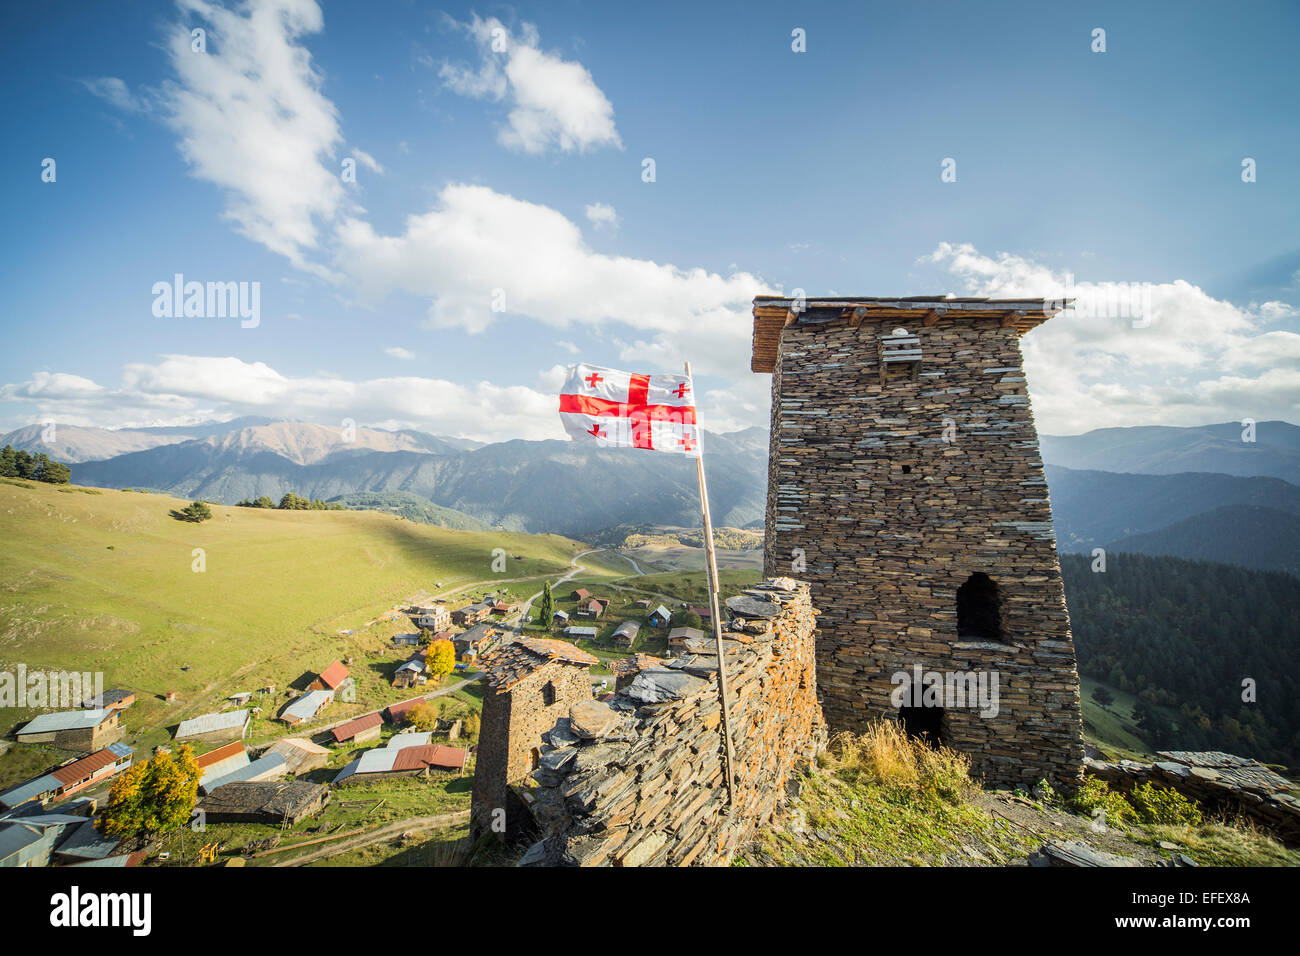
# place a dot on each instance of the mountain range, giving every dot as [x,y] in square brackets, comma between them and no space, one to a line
[1201,492]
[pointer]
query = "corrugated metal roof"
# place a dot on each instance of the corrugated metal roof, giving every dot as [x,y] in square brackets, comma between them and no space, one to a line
[221,768]
[308,705]
[379,760]
[630,628]
[36,787]
[220,754]
[334,675]
[66,720]
[208,723]
[397,711]
[353,727]
[409,739]
[347,771]
[83,768]
[265,766]
[577,631]
[88,843]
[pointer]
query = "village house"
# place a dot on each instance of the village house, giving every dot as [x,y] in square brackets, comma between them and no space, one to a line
[363,728]
[594,608]
[307,707]
[409,639]
[215,728]
[431,617]
[397,712]
[559,619]
[215,764]
[410,672]
[274,802]
[62,782]
[84,730]
[625,634]
[678,637]
[300,755]
[269,766]
[703,613]
[472,643]
[579,595]
[661,617]
[86,843]
[330,678]
[504,608]
[579,633]
[472,614]
[531,684]
[406,760]
[115,699]
[30,838]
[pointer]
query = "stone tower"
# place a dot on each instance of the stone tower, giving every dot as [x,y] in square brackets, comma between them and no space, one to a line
[905,484]
[531,684]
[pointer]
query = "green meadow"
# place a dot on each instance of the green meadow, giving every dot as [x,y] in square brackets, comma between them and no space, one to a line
[108,581]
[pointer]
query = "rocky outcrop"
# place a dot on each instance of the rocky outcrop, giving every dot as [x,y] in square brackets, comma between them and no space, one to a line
[1217,780]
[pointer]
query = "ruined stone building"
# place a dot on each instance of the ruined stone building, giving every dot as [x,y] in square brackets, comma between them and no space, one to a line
[905,485]
[531,684]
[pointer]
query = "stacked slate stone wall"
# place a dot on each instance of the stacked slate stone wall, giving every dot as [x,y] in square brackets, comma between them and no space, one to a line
[638,780]
[888,497]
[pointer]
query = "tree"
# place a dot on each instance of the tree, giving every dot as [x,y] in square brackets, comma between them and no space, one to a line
[153,797]
[1102,696]
[196,511]
[547,605]
[440,659]
[425,715]
[691,619]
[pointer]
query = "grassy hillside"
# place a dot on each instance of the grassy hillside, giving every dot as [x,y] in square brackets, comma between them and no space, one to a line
[93,580]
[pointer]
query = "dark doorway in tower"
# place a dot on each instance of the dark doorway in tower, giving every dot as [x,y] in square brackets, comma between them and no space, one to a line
[922,723]
[979,609]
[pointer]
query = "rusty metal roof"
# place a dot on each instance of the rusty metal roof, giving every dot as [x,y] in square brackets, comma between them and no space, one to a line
[334,675]
[355,726]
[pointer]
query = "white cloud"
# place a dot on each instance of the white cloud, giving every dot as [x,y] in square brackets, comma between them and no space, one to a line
[602,216]
[554,103]
[1100,365]
[366,160]
[396,351]
[183,388]
[115,92]
[252,120]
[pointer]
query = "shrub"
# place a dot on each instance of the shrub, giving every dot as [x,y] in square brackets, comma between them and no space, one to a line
[1096,794]
[1164,805]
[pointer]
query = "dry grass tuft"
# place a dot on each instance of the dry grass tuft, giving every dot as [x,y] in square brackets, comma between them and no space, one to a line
[884,755]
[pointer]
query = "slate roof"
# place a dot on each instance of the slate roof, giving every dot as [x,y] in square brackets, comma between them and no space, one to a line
[209,723]
[271,797]
[509,665]
[66,720]
[113,696]
[631,666]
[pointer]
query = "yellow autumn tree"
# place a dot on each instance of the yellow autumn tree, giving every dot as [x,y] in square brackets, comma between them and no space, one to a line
[153,797]
[425,715]
[440,659]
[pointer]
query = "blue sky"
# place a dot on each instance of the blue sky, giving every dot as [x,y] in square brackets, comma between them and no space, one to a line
[516,172]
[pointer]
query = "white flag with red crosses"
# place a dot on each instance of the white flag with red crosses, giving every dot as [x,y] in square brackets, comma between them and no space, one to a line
[624,410]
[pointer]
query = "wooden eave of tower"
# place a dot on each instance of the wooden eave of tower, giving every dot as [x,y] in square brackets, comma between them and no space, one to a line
[773,313]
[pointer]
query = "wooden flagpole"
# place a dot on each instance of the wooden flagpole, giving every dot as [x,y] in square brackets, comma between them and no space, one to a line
[714,609]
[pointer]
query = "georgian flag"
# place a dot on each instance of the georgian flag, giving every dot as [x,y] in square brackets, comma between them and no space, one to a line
[624,410]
